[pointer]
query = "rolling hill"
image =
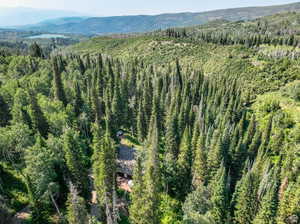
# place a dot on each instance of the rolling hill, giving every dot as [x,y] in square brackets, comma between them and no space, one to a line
[144,23]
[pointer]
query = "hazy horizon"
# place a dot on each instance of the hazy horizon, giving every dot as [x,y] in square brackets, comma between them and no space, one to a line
[134,7]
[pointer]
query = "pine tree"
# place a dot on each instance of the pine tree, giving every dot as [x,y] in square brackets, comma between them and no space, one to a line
[97,102]
[246,203]
[75,160]
[36,50]
[136,211]
[20,108]
[178,75]
[171,137]
[117,108]
[289,205]
[76,210]
[250,132]
[104,169]
[268,207]
[216,154]
[58,85]
[40,179]
[184,164]
[199,169]
[4,112]
[38,119]
[255,144]
[78,104]
[141,124]
[152,178]
[219,196]
[266,135]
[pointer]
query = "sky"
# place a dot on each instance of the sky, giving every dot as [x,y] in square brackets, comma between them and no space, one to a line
[133,7]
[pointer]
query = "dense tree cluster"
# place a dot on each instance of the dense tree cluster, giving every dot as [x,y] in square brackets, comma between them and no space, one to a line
[234,37]
[205,157]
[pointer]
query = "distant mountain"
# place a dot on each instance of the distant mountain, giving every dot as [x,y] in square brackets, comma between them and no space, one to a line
[20,16]
[144,23]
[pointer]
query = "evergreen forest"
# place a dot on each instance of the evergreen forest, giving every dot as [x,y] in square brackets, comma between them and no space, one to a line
[212,113]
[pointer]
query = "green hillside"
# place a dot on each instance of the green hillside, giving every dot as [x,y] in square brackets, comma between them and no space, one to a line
[203,121]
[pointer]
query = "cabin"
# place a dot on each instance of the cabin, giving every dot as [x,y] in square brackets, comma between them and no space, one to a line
[125,166]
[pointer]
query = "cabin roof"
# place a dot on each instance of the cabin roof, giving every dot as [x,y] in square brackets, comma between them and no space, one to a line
[125,159]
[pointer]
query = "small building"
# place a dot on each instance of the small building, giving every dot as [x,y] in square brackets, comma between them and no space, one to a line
[125,166]
[125,160]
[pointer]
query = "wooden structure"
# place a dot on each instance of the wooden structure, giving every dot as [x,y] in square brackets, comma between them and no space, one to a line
[125,160]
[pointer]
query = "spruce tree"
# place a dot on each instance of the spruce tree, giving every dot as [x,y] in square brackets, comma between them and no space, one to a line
[266,135]
[78,104]
[141,124]
[137,211]
[268,207]
[75,160]
[254,146]
[246,203]
[172,136]
[97,103]
[76,208]
[104,169]
[199,169]
[289,209]
[20,108]
[152,178]
[40,177]
[4,112]
[39,122]
[58,84]
[216,154]
[36,50]
[251,130]
[184,164]
[117,108]
[219,196]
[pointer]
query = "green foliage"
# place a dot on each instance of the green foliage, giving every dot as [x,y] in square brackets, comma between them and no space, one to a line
[38,119]
[170,210]
[104,169]
[246,199]
[288,211]
[137,196]
[203,140]
[75,160]
[4,112]
[40,188]
[76,210]
[14,140]
[197,206]
[219,196]
[36,51]
[268,207]
[59,89]
[152,177]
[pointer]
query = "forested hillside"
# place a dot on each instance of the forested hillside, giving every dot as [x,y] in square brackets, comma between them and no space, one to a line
[214,124]
[145,23]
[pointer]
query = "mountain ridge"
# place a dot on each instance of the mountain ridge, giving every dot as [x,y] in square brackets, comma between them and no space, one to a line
[145,23]
[21,16]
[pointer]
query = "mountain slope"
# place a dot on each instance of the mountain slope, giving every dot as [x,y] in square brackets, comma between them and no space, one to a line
[20,16]
[143,23]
